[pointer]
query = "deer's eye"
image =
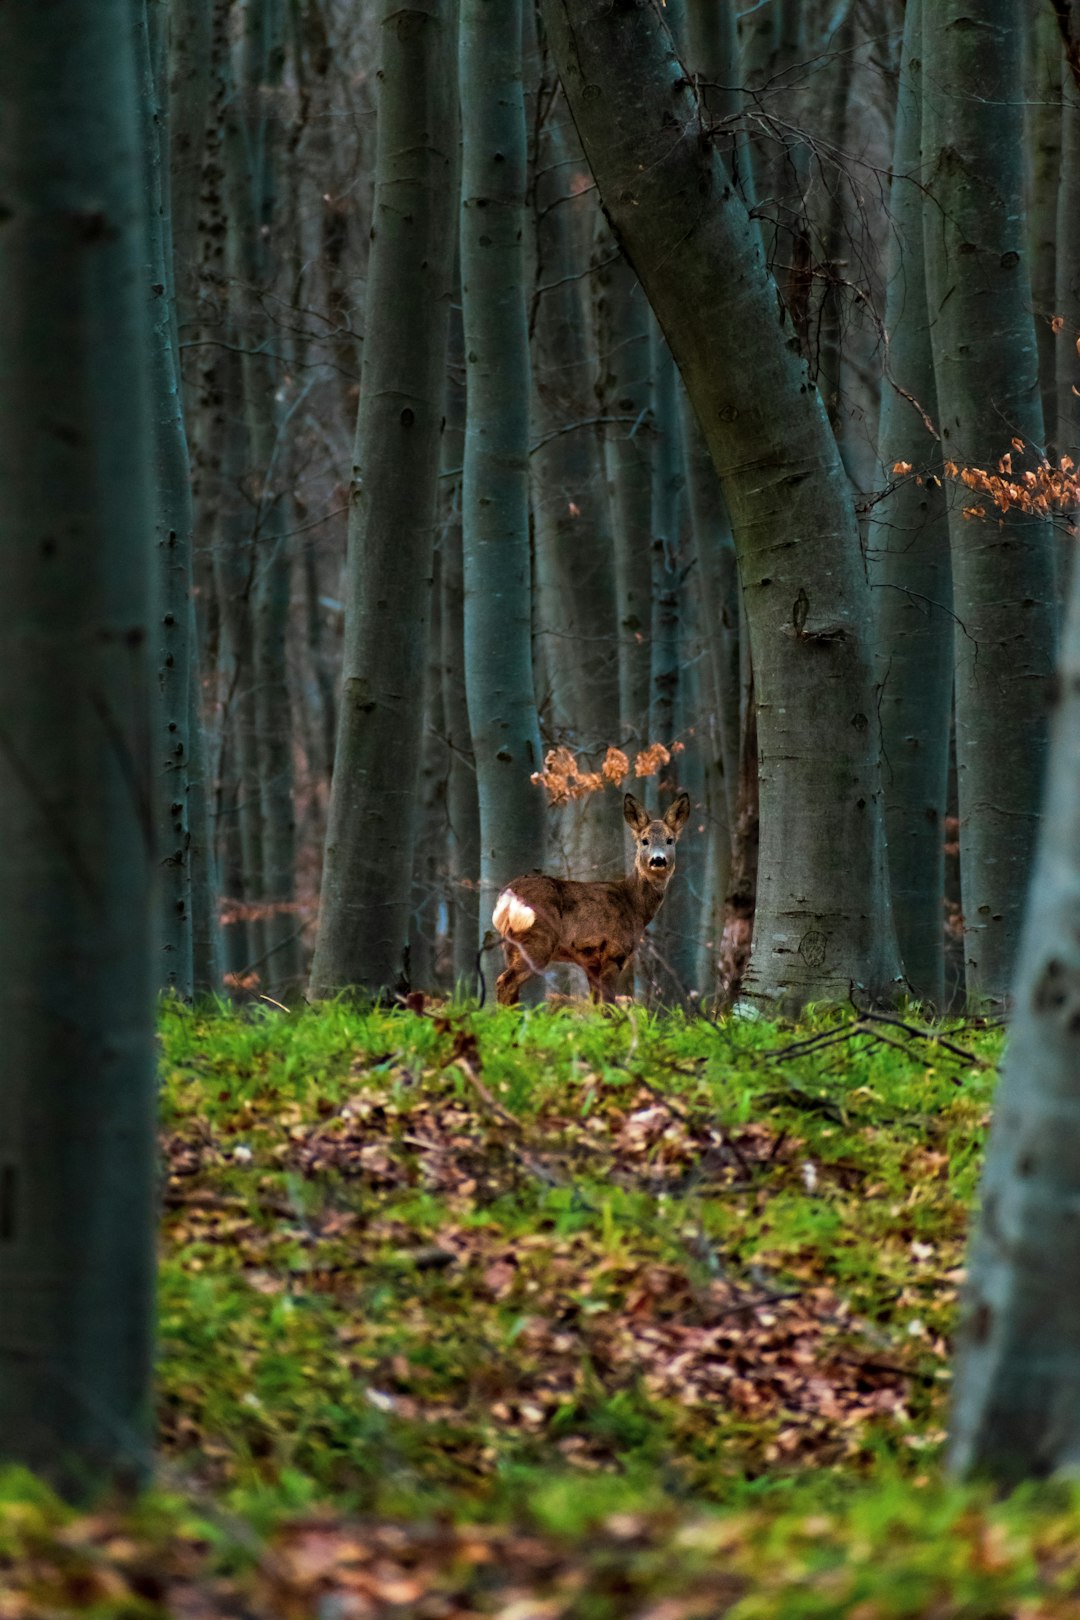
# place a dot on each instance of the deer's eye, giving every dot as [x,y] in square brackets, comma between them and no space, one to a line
[671,840]
[644,843]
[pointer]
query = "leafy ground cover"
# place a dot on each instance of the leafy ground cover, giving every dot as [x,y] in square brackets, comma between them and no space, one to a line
[548,1313]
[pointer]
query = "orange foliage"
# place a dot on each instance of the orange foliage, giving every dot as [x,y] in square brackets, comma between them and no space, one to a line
[564,779]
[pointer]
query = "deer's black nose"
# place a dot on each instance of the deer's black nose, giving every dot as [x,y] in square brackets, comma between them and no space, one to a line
[658,860]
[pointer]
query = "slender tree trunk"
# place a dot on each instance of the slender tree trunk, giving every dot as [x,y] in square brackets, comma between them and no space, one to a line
[909,551]
[986,366]
[1016,1409]
[462,804]
[256,183]
[495,511]
[77,1081]
[824,921]
[1067,293]
[172,537]
[624,394]
[574,612]
[1044,136]
[368,864]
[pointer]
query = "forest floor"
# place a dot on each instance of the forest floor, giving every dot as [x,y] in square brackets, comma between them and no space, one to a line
[552,1315]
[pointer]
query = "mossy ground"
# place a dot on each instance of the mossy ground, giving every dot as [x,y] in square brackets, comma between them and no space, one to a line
[549,1313]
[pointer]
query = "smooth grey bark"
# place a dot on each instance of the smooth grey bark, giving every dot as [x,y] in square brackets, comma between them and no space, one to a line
[667,513]
[190,61]
[574,612]
[986,368]
[190,58]
[909,559]
[495,499]
[624,395]
[77,1065]
[1045,124]
[368,862]
[1016,1404]
[430,844]
[256,161]
[462,803]
[1067,281]
[173,649]
[824,921]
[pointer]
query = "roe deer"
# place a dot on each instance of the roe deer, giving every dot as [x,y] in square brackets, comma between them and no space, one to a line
[598,926]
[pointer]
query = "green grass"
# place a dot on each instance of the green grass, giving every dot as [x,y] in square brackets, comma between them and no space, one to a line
[639,1310]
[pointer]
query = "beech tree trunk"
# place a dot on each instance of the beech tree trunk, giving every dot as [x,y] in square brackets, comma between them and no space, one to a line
[624,393]
[495,498]
[368,864]
[986,367]
[909,551]
[824,922]
[77,1061]
[1016,1408]
[172,529]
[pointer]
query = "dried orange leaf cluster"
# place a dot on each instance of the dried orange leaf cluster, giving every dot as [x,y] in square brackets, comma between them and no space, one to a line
[564,779]
[1041,490]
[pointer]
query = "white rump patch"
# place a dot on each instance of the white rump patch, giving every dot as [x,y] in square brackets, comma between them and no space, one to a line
[511,914]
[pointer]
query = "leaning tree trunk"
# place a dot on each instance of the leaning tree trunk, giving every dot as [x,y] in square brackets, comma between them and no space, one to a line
[495,499]
[368,865]
[823,919]
[1016,1409]
[909,551]
[986,366]
[77,1081]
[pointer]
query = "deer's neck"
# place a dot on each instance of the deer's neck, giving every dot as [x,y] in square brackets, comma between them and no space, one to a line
[646,893]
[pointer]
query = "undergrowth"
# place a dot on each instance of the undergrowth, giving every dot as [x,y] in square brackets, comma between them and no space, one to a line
[548,1312]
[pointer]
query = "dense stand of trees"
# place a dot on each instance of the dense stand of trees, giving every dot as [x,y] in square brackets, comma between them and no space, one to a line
[607,393]
[390,394]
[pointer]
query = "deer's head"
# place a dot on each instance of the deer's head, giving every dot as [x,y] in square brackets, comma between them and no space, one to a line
[654,841]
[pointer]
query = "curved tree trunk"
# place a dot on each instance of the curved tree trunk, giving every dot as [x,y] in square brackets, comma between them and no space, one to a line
[495,499]
[823,920]
[1016,1409]
[77,1063]
[909,551]
[368,866]
[986,367]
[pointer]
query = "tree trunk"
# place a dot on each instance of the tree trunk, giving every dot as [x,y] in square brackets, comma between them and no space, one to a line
[1016,1409]
[495,501]
[1067,295]
[574,613]
[986,367]
[368,864]
[824,922]
[172,534]
[1044,136]
[909,552]
[255,160]
[624,394]
[77,1067]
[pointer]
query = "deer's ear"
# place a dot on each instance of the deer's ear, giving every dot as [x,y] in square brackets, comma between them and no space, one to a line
[635,815]
[677,815]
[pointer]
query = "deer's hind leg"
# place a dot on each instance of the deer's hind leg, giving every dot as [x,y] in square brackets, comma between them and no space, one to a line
[521,964]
